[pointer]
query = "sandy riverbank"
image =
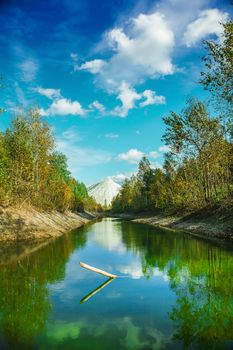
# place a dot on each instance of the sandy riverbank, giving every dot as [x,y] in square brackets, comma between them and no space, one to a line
[29,224]
[214,228]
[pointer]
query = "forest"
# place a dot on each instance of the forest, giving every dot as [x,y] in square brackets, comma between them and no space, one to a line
[197,170]
[33,173]
[198,167]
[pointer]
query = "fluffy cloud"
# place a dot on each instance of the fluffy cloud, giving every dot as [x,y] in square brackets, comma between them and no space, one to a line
[28,69]
[128,96]
[208,22]
[151,98]
[143,50]
[50,93]
[98,106]
[60,105]
[64,106]
[94,66]
[133,156]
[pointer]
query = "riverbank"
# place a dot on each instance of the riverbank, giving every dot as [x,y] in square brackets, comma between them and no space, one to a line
[27,224]
[212,227]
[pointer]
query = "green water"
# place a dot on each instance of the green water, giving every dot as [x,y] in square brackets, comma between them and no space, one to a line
[178,293]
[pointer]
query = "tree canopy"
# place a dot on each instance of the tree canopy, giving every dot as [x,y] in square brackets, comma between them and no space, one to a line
[32,171]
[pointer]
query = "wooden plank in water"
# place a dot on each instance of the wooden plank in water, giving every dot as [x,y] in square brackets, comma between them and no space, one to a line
[94,269]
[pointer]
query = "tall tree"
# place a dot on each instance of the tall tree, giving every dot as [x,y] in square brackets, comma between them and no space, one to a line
[217,77]
[192,134]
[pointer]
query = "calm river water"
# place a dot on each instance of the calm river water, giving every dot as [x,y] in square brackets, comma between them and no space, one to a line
[177,293]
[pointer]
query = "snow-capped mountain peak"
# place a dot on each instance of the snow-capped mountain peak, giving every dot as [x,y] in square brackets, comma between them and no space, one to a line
[104,191]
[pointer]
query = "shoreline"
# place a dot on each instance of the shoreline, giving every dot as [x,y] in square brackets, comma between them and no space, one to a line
[210,228]
[30,224]
[215,232]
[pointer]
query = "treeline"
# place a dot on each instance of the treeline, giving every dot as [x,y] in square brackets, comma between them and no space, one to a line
[33,173]
[198,168]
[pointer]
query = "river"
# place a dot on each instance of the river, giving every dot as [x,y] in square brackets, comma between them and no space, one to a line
[174,292]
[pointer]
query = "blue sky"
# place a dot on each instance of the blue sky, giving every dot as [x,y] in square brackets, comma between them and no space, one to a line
[104,73]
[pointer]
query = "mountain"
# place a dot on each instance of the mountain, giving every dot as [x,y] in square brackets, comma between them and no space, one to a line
[104,191]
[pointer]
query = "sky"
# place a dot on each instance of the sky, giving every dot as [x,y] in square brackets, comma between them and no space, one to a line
[104,73]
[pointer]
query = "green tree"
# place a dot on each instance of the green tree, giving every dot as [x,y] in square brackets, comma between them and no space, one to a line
[33,172]
[217,77]
[192,134]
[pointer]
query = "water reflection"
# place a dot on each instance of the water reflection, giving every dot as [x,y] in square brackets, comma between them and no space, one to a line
[178,294]
[201,276]
[24,296]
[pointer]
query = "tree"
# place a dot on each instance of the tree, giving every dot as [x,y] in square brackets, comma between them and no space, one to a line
[32,171]
[192,134]
[1,85]
[218,77]
[144,177]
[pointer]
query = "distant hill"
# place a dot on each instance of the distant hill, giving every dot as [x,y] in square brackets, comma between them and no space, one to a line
[104,191]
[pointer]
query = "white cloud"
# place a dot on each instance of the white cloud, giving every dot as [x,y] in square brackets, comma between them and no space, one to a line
[208,22]
[94,66]
[111,136]
[60,105]
[164,148]
[97,105]
[133,156]
[151,98]
[153,154]
[29,69]
[64,106]
[143,50]
[128,96]
[50,93]
[120,177]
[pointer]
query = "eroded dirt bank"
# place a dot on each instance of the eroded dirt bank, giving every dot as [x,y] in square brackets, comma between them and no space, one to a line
[212,228]
[29,224]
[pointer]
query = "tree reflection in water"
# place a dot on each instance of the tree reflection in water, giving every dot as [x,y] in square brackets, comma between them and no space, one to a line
[24,296]
[201,276]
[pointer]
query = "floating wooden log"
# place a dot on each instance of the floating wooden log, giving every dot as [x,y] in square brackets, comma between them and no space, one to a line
[94,269]
[98,289]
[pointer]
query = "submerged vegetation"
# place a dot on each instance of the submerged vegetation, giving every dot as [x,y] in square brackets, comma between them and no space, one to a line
[198,167]
[33,172]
